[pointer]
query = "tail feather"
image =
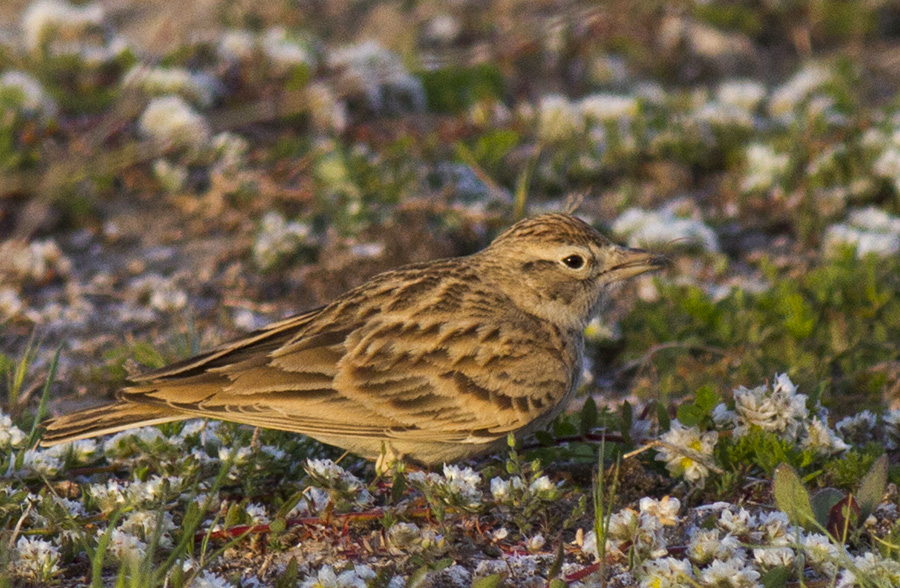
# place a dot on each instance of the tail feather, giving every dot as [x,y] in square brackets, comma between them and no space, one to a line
[112,418]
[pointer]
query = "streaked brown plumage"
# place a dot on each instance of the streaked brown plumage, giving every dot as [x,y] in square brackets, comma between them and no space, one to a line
[434,362]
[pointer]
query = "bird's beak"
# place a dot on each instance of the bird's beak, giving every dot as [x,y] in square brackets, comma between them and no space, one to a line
[634,262]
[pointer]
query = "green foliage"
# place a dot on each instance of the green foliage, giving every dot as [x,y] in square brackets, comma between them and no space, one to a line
[845,473]
[763,450]
[453,88]
[828,325]
[356,186]
[700,410]
[829,510]
[792,498]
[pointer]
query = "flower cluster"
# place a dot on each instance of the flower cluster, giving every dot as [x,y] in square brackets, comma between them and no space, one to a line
[867,231]
[459,487]
[649,228]
[344,488]
[276,239]
[639,532]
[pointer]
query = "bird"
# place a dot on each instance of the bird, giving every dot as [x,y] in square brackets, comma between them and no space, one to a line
[433,362]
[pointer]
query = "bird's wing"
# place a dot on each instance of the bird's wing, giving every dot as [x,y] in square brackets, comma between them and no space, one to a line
[389,376]
[269,337]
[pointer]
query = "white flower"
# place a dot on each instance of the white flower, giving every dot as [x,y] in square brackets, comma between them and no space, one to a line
[125,547]
[326,577]
[684,449]
[235,45]
[877,571]
[36,560]
[122,444]
[604,108]
[257,513]
[207,579]
[821,439]
[277,238]
[765,168]
[869,230]
[199,88]
[44,19]
[743,94]
[887,165]
[170,176]
[774,528]
[82,451]
[665,573]
[534,544]
[154,489]
[653,228]
[328,113]
[10,306]
[542,485]
[31,95]
[443,28]
[891,420]
[707,545]
[558,119]
[41,463]
[424,478]
[464,483]
[36,260]
[773,557]
[502,489]
[161,293]
[171,120]
[144,524]
[333,476]
[108,496]
[779,410]
[733,573]
[788,96]
[821,554]
[285,51]
[718,114]
[10,435]
[723,417]
[858,429]
[737,523]
[665,510]
[369,69]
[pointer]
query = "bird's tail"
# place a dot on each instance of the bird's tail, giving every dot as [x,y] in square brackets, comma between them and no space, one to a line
[112,418]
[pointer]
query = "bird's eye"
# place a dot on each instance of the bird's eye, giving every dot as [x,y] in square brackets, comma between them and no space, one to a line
[574,261]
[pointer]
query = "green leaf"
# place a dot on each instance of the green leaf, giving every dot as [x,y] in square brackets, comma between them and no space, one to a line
[792,498]
[662,415]
[688,415]
[234,516]
[417,578]
[495,145]
[776,577]
[288,578]
[491,581]
[454,88]
[871,488]
[398,487]
[589,416]
[277,526]
[706,400]
[626,414]
[823,501]
[557,583]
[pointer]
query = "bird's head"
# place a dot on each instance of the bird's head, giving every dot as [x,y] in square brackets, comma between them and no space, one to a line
[556,266]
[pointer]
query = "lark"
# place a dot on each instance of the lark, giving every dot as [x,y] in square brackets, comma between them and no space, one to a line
[433,362]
